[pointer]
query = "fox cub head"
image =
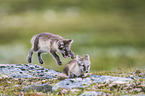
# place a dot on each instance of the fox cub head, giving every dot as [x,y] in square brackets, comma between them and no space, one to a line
[64,47]
[84,63]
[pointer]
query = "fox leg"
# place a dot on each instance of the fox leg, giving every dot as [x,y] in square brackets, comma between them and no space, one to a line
[72,54]
[40,57]
[72,75]
[29,59]
[56,57]
[69,74]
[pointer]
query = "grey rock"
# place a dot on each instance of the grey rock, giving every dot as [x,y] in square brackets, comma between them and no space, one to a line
[93,93]
[40,88]
[27,71]
[84,82]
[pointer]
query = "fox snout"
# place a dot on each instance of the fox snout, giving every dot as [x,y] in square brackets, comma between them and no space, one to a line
[66,53]
[86,70]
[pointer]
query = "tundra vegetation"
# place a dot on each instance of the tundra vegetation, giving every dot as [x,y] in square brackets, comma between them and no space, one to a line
[14,86]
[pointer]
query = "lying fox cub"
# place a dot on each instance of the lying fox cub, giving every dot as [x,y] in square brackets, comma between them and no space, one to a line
[78,67]
[48,42]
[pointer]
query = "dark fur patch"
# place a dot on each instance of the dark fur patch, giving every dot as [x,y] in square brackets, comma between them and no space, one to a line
[36,42]
[66,70]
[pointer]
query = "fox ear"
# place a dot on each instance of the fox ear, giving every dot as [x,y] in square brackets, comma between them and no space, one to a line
[70,40]
[87,56]
[78,58]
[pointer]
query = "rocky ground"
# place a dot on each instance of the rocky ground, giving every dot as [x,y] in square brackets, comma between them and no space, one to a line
[29,79]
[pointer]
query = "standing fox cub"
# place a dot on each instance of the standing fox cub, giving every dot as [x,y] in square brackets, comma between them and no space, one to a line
[78,67]
[48,42]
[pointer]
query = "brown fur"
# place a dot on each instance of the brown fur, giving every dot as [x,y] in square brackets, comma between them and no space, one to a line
[45,36]
[48,42]
[75,68]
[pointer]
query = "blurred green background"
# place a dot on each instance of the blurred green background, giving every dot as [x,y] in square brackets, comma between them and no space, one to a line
[112,32]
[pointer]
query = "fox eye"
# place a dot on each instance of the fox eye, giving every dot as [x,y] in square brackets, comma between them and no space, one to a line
[83,65]
[61,45]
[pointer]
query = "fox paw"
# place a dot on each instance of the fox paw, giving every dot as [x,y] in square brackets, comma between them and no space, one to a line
[29,60]
[41,61]
[59,63]
[73,56]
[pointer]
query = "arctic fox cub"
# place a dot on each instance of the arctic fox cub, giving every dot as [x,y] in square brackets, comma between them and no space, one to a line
[48,42]
[78,67]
